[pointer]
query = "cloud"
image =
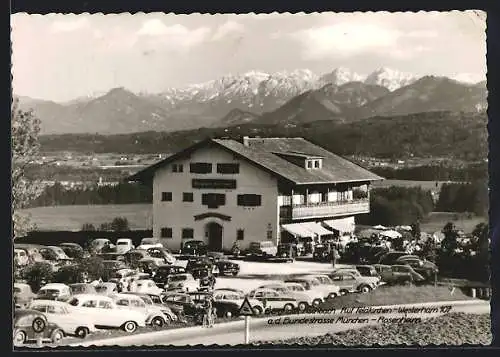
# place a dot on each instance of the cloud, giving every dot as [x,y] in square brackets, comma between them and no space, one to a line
[70,25]
[229,28]
[175,36]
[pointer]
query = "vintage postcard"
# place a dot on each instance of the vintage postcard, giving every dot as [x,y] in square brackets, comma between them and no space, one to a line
[250,179]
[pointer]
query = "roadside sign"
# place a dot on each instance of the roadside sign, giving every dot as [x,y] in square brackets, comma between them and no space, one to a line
[246,309]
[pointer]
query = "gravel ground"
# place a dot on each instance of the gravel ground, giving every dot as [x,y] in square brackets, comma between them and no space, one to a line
[451,329]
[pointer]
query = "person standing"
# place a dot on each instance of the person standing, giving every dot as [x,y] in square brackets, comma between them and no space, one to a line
[334,256]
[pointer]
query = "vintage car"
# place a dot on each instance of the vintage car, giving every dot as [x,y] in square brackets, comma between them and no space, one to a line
[322,253]
[263,249]
[147,243]
[422,266]
[391,257]
[132,257]
[367,270]
[164,272]
[22,295]
[54,291]
[228,268]
[97,245]
[391,277]
[205,276]
[273,300]
[73,250]
[106,288]
[159,299]
[154,301]
[23,328]
[161,253]
[215,256]
[325,283]
[156,316]
[103,312]
[123,245]
[305,298]
[350,280]
[313,286]
[202,262]
[55,254]
[194,247]
[287,251]
[147,286]
[182,302]
[401,268]
[62,314]
[82,288]
[184,282]
[148,265]
[228,302]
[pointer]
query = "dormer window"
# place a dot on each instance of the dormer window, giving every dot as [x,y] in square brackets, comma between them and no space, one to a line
[313,164]
[316,164]
[309,164]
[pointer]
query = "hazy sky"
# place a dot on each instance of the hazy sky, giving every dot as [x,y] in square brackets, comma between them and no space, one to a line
[61,57]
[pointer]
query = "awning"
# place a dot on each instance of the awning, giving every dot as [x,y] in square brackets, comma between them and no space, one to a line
[298,229]
[317,228]
[343,225]
[391,234]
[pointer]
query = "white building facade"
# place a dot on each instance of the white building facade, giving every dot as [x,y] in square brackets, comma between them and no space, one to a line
[221,191]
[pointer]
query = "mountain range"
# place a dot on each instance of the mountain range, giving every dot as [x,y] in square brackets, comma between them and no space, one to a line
[292,98]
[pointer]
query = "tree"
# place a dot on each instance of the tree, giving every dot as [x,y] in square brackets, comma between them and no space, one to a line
[449,243]
[415,230]
[88,227]
[120,224]
[25,147]
[38,274]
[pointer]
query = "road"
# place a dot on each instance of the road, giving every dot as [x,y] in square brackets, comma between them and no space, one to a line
[260,330]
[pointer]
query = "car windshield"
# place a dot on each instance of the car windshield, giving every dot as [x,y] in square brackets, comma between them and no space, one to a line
[101,288]
[148,241]
[17,290]
[122,243]
[147,300]
[48,292]
[254,245]
[78,289]
[178,278]
[296,287]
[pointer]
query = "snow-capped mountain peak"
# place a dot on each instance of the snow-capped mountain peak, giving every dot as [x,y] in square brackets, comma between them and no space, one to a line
[341,75]
[390,78]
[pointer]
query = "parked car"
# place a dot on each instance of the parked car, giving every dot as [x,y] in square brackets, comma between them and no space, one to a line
[178,300]
[184,282]
[263,249]
[159,299]
[332,290]
[21,257]
[96,245]
[391,257]
[422,266]
[54,254]
[215,256]
[147,243]
[228,268]
[367,270]
[62,314]
[273,300]
[82,288]
[106,288]
[22,295]
[123,245]
[147,286]
[161,253]
[156,316]
[132,257]
[416,277]
[350,282]
[164,272]
[204,263]
[23,332]
[103,312]
[54,291]
[229,301]
[148,265]
[194,247]
[73,250]
[364,283]
[321,253]
[392,277]
[287,251]
[312,285]
[305,298]
[155,301]
[205,276]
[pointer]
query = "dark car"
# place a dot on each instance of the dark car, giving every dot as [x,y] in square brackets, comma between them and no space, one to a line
[177,309]
[161,253]
[194,247]
[228,268]
[82,288]
[215,256]
[391,257]
[24,325]
[392,276]
[401,268]
[177,300]
[287,251]
[205,276]
[164,272]
[424,267]
[73,250]
[367,270]
[200,262]
[321,253]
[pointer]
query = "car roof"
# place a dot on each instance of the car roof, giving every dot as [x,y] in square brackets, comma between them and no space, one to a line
[91,296]
[51,302]
[54,285]
[229,289]
[27,312]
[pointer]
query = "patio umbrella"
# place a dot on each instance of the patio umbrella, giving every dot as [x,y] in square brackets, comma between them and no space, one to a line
[391,234]
[380,227]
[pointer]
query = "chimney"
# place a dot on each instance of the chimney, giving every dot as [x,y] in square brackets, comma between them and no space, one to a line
[246,141]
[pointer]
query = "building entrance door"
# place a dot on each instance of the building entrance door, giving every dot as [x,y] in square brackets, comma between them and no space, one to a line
[214,233]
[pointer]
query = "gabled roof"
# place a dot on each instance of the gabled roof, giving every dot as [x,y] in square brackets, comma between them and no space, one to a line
[260,152]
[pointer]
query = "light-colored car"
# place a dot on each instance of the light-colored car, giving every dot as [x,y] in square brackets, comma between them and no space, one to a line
[54,291]
[22,295]
[352,281]
[312,285]
[373,281]
[124,276]
[106,288]
[327,283]
[147,286]
[97,244]
[157,302]
[184,282]
[104,312]
[123,245]
[273,300]
[156,316]
[263,248]
[62,314]
[147,243]
[304,297]
[162,253]
[82,288]
[237,297]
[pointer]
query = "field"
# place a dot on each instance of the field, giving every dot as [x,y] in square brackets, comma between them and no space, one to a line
[425,185]
[140,217]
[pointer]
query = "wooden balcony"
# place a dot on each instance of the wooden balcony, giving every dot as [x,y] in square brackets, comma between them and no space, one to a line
[325,209]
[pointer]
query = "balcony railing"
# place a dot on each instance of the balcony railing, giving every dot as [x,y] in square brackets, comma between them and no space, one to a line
[325,209]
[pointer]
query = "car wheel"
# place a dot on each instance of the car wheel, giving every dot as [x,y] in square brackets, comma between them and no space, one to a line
[257,310]
[302,306]
[235,273]
[19,338]
[129,326]
[57,336]
[82,332]
[343,292]
[365,289]
[158,321]
[288,307]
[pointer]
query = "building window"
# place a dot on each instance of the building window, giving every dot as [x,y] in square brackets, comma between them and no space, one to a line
[166,232]
[200,168]
[187,197]
[177,168]
[213,200]
[187,233]
[228,168]
[249,200]
[269,235]
[309,164]
[166,196]
[316,164]
[240,234]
